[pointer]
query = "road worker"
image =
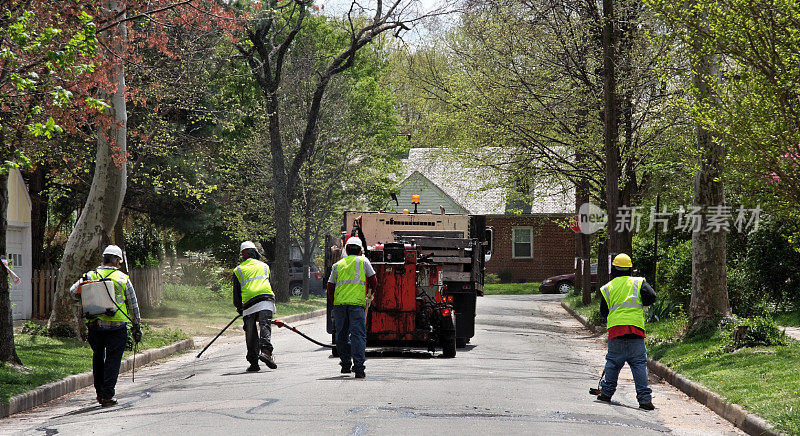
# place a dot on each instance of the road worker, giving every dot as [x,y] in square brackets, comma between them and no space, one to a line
[347,287]
[108,332]
[624,298]
[255,301]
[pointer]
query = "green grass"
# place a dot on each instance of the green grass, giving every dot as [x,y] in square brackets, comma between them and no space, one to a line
[511,288]
[764,380]
[788,319]
[197,310]
[574,301]
[185,311]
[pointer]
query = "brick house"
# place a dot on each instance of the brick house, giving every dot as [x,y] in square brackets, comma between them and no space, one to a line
[530,242]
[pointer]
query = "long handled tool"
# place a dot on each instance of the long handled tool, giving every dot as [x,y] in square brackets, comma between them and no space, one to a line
[280,323]
[593,391]
[218,335]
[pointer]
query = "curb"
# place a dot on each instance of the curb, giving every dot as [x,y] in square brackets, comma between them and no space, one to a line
[750,423]
[53,390]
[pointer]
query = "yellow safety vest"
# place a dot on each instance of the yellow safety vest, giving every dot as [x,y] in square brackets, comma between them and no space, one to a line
[351,281]
[120,280]
[253,277]
[623,297]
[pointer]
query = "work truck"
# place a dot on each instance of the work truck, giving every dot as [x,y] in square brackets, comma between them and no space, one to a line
[430,270]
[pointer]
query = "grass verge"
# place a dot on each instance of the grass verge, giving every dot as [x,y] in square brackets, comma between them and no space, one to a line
[763,380]
[511,288]
[47,359]
[198,311]
[788,319]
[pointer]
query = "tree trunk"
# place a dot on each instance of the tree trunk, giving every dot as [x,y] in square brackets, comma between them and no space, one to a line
[37,187]
[8,352]
[279,275]
[97,219]
[584,250]
[709,298]
[611,127]
[308,252]
[119,239]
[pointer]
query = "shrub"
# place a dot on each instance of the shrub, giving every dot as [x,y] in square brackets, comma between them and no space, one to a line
[143,245]
[675,273]
[491,279]
[34,329]
[196,274]
[662,309]
[761,331]
[597,318]
[504,276]
[771,263]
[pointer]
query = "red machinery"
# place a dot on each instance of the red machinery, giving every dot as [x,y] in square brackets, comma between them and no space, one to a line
[409,308]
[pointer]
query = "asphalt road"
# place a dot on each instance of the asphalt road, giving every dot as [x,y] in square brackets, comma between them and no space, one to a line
[527,371]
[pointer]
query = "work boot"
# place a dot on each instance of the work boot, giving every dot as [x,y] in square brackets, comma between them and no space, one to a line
[360,374]
[266,357]
[605,398]
[346,370]
[253,367]
[108,402]
[647,406]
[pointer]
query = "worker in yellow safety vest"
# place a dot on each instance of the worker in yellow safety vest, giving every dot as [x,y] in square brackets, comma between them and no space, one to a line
[347,287]
[108,333]
[624,299]
[255,301]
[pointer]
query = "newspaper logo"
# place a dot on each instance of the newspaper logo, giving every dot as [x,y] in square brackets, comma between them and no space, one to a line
[591,218]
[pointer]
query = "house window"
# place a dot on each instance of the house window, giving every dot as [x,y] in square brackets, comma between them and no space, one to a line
[523,243]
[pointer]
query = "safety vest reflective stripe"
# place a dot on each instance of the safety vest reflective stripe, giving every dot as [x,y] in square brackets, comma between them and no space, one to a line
[351,281]
[248,287]
[629,310]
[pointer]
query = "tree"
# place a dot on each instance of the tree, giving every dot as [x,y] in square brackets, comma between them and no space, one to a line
[269,35]
[43,51]
[109,183]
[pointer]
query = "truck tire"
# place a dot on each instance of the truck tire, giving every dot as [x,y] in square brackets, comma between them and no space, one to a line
[461,342]
[449,346]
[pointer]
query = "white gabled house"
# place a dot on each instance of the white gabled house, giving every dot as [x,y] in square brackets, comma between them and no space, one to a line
[18,244]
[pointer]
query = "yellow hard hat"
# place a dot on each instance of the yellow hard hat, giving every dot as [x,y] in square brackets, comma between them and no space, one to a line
[622,261]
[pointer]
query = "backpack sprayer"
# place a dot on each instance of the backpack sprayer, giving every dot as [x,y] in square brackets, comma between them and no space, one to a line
[98,298]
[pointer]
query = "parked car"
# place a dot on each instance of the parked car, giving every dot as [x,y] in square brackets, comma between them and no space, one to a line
[565,282]
[296,279]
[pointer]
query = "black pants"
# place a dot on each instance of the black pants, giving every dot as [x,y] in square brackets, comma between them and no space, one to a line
[107,347]
[255,340]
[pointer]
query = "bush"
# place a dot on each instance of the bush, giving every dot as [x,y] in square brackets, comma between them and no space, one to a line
[504,276]
[761,331]
[34,329]
[597,318]
[143,245]
[662,309]
[744,302]
[491,279]
[197,274]
[771,263]
[675,274]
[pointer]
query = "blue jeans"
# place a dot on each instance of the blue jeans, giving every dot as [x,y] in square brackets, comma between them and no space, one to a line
[351,335]
[634,352]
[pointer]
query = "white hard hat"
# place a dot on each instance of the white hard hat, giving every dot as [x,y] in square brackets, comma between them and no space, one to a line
[354,240]
[113,249]
[246,245]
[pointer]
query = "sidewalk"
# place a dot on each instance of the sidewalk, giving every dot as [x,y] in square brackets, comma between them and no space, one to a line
[792,332]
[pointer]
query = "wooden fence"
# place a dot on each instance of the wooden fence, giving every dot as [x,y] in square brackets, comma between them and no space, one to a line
[44,289]
[147,282]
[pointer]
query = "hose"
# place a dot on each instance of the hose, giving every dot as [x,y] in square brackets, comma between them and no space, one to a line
[280,323]
[218,335]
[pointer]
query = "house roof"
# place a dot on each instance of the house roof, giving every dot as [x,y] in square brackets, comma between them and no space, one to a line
[480,188]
